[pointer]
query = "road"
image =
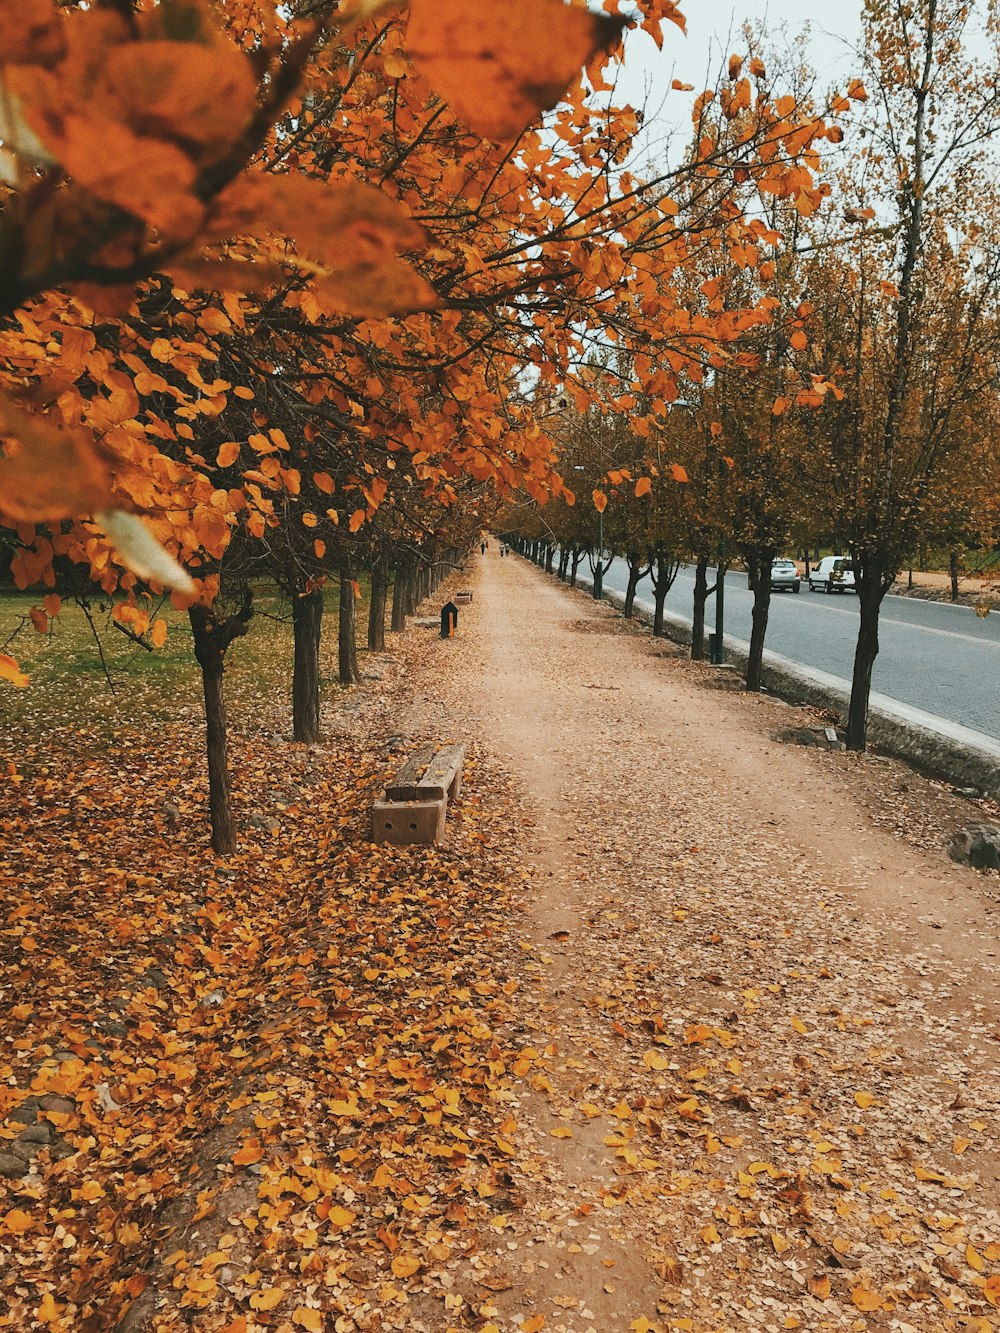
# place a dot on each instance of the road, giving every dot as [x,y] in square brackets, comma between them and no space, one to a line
[934,656]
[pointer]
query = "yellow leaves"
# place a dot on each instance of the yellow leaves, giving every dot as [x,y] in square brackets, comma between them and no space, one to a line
[17,1221]
[865,1299]
[324,482]
[798,340]
[533,1324]
[12,673]
[48,471]
[158,632]
[856,91]
[710,1234]
[600,501]
[251,1151]
[780,1243]
[227,454]
[780,406]
[357,519]
[960,1144]
[864,1100]
[819,1286]
[655,1061]
[340,1218]
[561,1132]
[268,1299]
[47,1309]
[678,473]
[309,1319]
[405,1265]
[643,487]
[498,67]
[798,1026]
[974,1259]
[697,1034]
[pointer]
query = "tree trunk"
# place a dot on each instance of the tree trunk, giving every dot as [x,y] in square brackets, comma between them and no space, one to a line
[376,609]
[412,591]
[953,573]
[550,552]
[701,594]
[636,574]
[563,562]
[759,561]
[400,596]
[576,557]
[212,638]
[347,651]
[307,625]
[663,572]
[870,597]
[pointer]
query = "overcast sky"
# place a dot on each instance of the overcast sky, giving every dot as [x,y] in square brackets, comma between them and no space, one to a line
[713,32]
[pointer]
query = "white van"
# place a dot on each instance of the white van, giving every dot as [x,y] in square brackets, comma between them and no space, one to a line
[834,573]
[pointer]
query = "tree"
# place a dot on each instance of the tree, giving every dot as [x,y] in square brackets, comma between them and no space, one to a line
[908,324]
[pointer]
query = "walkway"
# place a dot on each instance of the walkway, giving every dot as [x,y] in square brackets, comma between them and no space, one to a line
[761,1014]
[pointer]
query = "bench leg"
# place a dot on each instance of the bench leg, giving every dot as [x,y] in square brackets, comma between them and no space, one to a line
[402,822]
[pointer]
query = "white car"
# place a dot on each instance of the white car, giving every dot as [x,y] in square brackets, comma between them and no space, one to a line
[834,573]
[784,577]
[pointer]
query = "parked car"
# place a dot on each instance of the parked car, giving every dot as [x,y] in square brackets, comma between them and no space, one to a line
[784,577]
[834,573]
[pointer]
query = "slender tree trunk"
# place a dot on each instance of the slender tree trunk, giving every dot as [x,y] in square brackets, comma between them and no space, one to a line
[576,557]
[376,608]
[550,554]
[664,573]
[701,595]
[953,573]
[346,642]
[412,591]
[636,574]
[870,597]
[212,638]
[399,600]
[563,562]
[307,626]
[659,598]
[759,561]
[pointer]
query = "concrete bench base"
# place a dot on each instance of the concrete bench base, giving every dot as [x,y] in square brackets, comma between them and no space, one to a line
[401,822]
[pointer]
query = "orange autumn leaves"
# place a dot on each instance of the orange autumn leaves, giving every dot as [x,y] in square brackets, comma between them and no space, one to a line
[143,121]
[484,60]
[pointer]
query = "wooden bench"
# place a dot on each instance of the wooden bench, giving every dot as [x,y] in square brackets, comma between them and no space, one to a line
[415,805]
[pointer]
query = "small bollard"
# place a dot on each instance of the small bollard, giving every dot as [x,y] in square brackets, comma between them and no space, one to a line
[449,620]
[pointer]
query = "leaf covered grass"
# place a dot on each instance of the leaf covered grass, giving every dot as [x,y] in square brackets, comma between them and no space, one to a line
[262,1089]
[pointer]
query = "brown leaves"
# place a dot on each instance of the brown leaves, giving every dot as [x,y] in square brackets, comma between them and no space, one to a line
[497,67]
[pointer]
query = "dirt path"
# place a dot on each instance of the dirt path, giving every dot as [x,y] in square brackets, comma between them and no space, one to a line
[763,1029]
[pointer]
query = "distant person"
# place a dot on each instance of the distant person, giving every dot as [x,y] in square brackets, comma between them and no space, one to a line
[482,548]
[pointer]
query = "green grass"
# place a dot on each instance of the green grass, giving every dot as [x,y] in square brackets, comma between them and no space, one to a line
[132,688]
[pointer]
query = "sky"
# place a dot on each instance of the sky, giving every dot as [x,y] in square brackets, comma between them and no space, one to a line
[713,32]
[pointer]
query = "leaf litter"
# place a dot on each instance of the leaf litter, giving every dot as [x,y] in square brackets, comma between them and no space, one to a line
[617,1055]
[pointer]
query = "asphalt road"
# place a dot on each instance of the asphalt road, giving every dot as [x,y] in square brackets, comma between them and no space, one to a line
[934,656]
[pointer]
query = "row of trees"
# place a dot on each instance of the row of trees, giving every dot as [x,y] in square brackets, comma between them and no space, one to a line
[862,416]
[293,291]
[283,284]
